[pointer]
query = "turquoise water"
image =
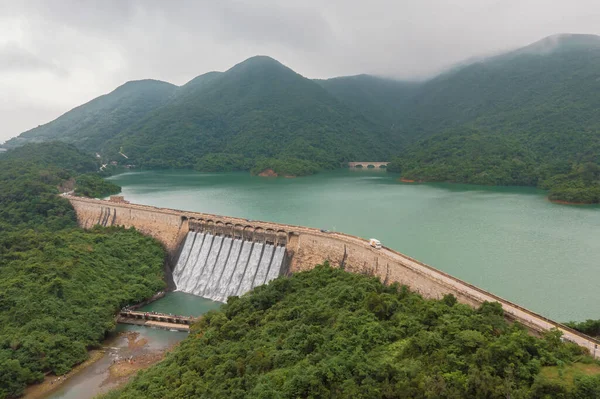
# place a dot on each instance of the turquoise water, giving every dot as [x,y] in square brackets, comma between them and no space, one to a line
[510,241]
[182,304]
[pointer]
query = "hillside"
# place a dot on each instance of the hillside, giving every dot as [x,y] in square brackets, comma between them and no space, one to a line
[60,286]
[257,109]
[327,333]
[90,125]
[379,99]
[528,117]
[258,113]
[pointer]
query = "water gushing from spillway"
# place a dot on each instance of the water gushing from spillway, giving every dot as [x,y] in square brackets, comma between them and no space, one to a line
[217,267]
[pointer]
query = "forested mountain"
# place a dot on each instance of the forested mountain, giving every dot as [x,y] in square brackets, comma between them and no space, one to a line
[257,113]
[257,109]
[90,125]
[528,117]
[379,99]
[525,117]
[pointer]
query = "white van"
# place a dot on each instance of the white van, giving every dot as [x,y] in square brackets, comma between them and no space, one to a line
[375,243]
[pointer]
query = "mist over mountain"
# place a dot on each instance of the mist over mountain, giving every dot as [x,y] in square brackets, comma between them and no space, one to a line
[528,117]
[541,99]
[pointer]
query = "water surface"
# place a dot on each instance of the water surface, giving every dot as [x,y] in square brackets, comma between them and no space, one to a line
[182,304]
[92,381]
[510,241]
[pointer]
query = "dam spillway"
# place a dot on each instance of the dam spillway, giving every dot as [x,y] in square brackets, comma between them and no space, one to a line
[217,267]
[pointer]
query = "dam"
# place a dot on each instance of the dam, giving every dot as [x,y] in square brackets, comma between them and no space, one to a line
[200,248]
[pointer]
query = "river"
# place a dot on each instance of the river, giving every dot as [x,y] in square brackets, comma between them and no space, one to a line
[96,379]
[510,241]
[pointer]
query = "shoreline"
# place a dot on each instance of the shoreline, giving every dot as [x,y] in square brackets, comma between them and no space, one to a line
[51,382]
[561,202]
[118,373]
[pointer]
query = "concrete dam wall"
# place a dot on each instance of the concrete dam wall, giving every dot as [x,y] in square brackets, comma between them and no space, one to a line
[303,249]
[217,267]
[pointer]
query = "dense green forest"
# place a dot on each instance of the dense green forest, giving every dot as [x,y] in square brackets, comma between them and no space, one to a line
[528,117]
[59,285]
[471,156]
[237,162]
[258,110]
[286,167]
[327,333]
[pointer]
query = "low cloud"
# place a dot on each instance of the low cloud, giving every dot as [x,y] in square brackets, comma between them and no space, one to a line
[66,52]
[17,59]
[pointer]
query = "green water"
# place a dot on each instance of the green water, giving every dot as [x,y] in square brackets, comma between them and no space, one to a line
[182,304]
[510,241]
[93,380]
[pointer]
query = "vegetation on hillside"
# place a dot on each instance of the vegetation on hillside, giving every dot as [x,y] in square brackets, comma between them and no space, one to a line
[471,156]
[257,109]
[526,117]
[286,167]
[93,186]
[59,285]
[523,118]
[90,125]
[237,162]
[331,334]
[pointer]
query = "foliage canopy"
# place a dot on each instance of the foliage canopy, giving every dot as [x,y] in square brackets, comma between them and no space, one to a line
[329,333]
[59,285]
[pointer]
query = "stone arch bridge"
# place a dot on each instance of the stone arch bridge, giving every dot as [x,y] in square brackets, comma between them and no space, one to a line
[368,164]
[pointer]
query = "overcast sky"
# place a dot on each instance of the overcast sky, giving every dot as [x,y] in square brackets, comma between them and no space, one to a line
[57,54]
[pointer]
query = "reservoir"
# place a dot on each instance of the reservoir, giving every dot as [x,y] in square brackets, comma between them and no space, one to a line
[509,241]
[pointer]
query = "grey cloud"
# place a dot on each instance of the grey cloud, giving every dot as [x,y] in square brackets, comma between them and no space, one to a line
[103,43]
[17,59]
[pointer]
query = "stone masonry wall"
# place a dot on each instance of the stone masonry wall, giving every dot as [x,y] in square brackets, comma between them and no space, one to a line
[306,247]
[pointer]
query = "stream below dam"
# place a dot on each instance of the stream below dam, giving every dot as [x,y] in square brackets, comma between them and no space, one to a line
[510,241]
[141,343]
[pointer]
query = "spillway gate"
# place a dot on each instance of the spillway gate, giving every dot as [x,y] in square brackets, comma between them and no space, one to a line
[217,267]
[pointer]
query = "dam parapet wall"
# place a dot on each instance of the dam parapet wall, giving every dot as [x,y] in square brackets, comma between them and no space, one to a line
[306,247]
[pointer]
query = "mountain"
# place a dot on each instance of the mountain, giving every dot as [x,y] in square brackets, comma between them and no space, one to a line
[527,117]
[522,117]
[90,124]
[257,109]
[378,99]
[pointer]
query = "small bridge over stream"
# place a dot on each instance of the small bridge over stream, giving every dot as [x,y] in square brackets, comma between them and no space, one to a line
[158,320]
[368,164]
